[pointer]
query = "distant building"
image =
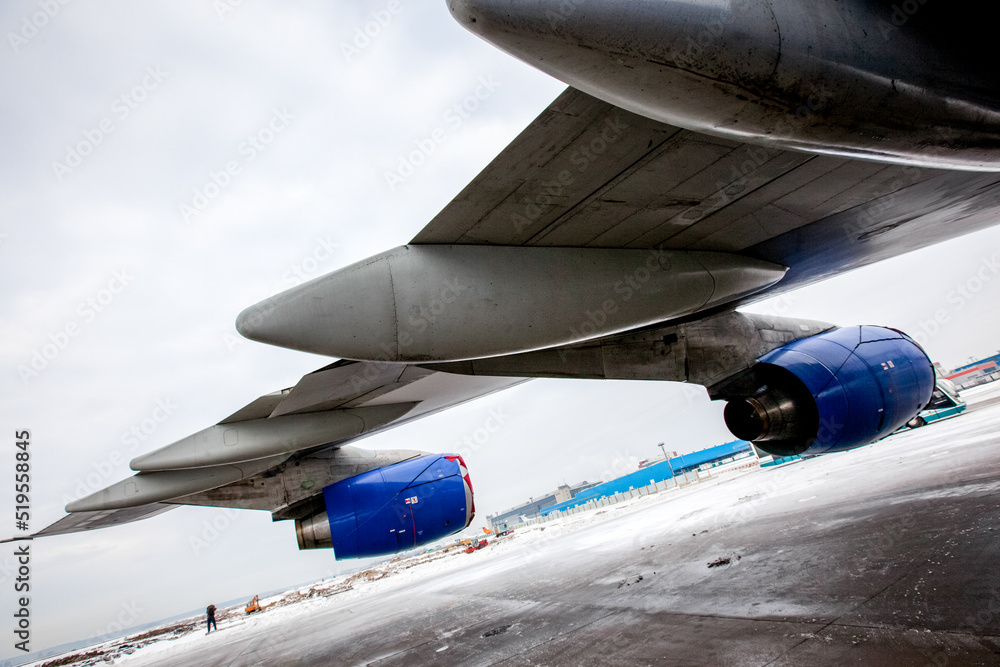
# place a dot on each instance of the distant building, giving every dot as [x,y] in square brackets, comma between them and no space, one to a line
[654,473]
[976,373]
[532,508]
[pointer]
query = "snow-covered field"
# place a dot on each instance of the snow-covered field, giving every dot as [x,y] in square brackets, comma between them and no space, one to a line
[733,499]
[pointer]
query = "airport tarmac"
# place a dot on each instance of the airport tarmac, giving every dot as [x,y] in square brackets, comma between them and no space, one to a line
[887,555]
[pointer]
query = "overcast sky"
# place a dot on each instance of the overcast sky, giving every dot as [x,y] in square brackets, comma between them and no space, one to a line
[166,165]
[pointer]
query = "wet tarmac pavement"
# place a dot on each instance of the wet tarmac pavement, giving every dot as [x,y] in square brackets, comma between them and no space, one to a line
[887,555]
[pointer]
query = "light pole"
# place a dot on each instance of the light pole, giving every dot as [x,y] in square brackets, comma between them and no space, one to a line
[661,446]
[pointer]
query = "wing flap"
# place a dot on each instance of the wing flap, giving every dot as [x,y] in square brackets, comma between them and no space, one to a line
[260,408]
[337,385]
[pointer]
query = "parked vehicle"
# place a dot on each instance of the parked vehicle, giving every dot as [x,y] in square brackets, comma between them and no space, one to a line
[945,403]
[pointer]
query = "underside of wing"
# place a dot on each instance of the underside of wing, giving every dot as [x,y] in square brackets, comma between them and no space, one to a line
[588,174]
[81,521]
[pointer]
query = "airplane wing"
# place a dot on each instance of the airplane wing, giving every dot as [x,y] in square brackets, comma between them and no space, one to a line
[584,175]
[605,244]
[588,174]
[81,521]
[281,451]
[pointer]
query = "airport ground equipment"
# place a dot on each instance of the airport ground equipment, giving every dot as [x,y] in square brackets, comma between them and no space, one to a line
[945,403]
[476,546]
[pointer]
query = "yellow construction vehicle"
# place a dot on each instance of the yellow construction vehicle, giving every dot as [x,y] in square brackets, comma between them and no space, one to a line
[254,605]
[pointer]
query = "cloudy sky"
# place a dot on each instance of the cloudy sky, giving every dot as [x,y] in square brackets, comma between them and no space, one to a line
[166,165]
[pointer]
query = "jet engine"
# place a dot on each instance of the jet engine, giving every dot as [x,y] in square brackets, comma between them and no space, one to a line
[831,392]
[391,509]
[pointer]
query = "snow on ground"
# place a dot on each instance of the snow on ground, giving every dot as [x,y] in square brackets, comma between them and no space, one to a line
[731,497]
[399,572]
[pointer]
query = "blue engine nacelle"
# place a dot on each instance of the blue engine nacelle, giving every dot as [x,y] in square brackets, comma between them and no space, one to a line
[837,390]
[392,509]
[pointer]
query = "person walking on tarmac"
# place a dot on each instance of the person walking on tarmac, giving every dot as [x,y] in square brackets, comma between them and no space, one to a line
[210,612]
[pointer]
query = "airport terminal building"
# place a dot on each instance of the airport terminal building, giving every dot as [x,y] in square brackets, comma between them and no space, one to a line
[976,373]
[533,508]
[672,468]
[658,470]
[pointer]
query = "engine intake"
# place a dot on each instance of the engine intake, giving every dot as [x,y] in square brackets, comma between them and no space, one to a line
[831,392]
